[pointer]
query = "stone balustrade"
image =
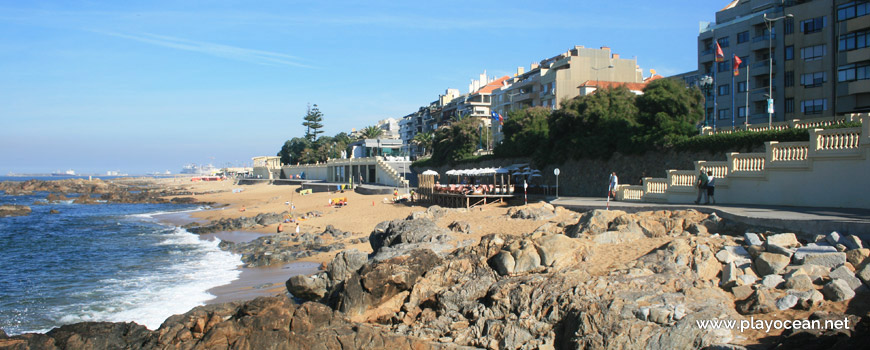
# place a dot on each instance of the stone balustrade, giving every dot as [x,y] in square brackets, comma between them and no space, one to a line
[781,174]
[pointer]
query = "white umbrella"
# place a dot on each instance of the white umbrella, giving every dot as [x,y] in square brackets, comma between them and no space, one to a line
[430,172]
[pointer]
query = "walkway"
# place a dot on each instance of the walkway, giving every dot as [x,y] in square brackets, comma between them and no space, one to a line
[800,219]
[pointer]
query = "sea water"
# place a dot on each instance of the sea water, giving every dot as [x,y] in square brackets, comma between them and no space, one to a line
[102,262]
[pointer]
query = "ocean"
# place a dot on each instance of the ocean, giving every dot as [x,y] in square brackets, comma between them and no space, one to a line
[103,262]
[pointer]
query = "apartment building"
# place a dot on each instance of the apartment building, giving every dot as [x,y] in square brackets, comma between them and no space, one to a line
[425,119]
[810,57]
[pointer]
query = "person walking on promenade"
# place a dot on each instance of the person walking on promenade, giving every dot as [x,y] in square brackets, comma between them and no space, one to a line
[701,184]
[711,187]
[611,189]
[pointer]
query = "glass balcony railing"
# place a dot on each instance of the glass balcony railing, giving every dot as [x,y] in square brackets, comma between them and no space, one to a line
[763,38]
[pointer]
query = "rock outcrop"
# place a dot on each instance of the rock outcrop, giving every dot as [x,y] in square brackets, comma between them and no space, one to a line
[14,210]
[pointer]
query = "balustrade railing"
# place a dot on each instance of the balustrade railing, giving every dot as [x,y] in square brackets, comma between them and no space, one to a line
[789,151]
[837,139]
[719,169]
[747,162]
[684,178]
[789,124]
[632,192]
[656,185]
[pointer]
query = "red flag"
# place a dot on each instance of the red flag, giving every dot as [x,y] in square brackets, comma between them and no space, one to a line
[720,56]
[737,63]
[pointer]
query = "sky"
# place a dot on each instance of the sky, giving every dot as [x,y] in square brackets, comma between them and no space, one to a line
[142,86]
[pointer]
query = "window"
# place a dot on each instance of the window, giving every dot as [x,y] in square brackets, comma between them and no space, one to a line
[855,71]
[745,61]
[814,106]
[724,66]
[812,53]
[816,79]
[725,113]
[789,53]
[855,40]
[789,105]
[723,41]
[852,10]
[788,26]
[741,112]
[789,78]
[813,25]
[742,37]
[741,86]
[724,89]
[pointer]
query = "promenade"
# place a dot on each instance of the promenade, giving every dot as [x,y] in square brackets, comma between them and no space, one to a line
[795,219]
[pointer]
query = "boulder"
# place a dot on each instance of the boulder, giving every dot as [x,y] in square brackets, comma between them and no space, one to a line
[816,272]
[751,238]
[807,299]
[732,253]
[729,275]
[540,211]
[799,282]
[785,240]
[777,249]
[404,236]
[770,263]
[460,227]
[345,263]
[503,263]
[757,303]
[828,259]
[786,302]
[864,274]
[853,242]
[14,210]
[309,288]
[843,273]
[772,281]
[838,290]
[742,292]
[834,238]
[801,252]
[858,257]
[593,222]
[556,249]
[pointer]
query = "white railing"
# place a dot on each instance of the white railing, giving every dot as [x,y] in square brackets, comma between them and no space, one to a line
[630,192]
[836,139]
[788,151]
[789,124]
[681,178]
[655,185]
[719,169]
[747,162]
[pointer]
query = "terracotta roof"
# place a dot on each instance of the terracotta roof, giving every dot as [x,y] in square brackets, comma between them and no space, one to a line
[612,84]
[731,5]
[652,77]
[495,84]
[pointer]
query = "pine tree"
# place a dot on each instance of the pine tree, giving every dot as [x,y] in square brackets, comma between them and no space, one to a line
[313,123]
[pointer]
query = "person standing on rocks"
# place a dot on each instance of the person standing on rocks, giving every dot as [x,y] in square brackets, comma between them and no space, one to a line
[297,228]
[701,184]
[611,189]
[711,187]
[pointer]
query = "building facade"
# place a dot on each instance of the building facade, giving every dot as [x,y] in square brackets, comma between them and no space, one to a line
[811,57]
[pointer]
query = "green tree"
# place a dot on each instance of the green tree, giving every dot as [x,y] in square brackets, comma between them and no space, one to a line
[313,123]
[423,140]
[371,132]
[668,112]
[291,152]
[526,131]
[594,125]
[455,142]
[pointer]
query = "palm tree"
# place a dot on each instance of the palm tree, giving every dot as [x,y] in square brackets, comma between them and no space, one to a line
[424,140]
[371,132]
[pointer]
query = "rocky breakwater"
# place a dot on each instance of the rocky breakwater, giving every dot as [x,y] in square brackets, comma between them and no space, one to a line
[14,210]
[96,191]
[283,248]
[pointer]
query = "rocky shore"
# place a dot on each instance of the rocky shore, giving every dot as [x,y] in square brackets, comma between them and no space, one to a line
[596,280]
[14,210]
[95,191]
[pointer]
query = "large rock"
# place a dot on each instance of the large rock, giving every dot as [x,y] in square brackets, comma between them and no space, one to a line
[858,257]
[864,274]
[843,273]
[732,253]
[404,236]
[14,210]
[838,290]
[770,263]
[345,263]
[828,259]
[540,211]
[593,222]
[812,248]
[556,250]
[772,281]
[807,299]
[307,287]
[786,302]
[759,302]
[786,240]
[752,238]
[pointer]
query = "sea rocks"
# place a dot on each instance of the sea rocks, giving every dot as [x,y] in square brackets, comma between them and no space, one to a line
[770,263]
[758,303]
[280,248]
[307,287]
[838,290]
[460,227]
[786,302]
[826,259]
[843,273]
[14,210]
[240,223]
[399,237]
[785,240]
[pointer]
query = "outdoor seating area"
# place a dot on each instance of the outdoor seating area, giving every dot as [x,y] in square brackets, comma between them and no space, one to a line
[466,188]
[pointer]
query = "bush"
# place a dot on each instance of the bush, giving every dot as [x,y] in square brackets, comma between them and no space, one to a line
[741,141]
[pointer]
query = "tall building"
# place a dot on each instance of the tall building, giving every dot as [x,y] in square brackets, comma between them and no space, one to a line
[811,57]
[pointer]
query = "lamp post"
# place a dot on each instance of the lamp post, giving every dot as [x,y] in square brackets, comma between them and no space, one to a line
[769,23]
[706,84]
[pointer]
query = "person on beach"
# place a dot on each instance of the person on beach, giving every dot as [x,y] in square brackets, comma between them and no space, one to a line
[614,182]
[280,227]
[711,187]
[701,184]
[297,228]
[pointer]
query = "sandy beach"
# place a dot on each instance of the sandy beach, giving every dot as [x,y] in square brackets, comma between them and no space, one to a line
[359,217]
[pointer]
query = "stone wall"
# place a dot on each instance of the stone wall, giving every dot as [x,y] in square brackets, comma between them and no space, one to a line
[588,177]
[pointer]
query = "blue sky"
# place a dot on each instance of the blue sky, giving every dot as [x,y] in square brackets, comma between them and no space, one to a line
[142,86]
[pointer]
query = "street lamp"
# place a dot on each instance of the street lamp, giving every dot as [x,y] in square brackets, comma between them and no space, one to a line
[598,75]
[706,84]
[769,23]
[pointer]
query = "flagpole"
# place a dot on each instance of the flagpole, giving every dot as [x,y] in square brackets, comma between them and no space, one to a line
[746,121]
[733,105]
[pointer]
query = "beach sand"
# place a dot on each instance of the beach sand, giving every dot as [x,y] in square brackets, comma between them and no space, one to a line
[359,217]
